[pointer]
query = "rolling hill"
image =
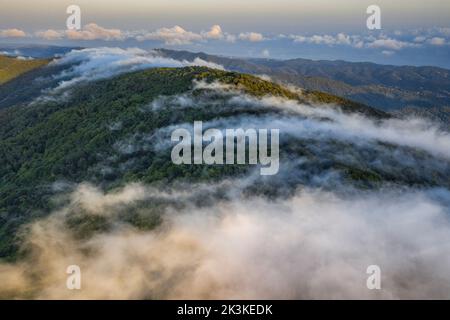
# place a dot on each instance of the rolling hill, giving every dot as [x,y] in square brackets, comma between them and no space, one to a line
[111,132]
[11,67]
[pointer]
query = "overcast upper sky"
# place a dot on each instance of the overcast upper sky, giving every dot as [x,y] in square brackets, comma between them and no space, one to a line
[234,15]
[413,31]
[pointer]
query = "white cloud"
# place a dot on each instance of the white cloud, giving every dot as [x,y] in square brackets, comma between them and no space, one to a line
[202,63]
[339,39]
[172,36]
[343,39]
[381,42]
[420,39]
[24,58]
[251,36]
[389,43]
[50,34]
[314,245]
[230,38]
[12,33]
[437,41]
[179,36]
[99,63]
[214,33]
[325,39]
[387,52]
[93,31]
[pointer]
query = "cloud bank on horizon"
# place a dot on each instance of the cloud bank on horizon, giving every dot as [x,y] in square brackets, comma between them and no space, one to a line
[413,33]
[177,35]
[420,46]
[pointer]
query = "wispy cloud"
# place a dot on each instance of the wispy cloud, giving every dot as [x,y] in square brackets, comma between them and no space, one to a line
[214,33]
[93,31]
[384,42]
[99,63]
[171,36]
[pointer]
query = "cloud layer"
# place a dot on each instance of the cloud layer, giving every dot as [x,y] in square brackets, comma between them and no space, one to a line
[99,63]
[312,246]
[179,36]
[311,238]
[309,232]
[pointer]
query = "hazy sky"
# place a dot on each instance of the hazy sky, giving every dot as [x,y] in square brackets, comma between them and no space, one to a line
[232,15]
[413,31]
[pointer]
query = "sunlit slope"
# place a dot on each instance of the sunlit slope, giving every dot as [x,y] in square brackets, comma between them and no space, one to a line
[11,68]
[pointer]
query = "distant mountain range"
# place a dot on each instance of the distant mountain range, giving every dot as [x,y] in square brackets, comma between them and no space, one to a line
[386,87]
[34,50]
[399,89]
[98,132]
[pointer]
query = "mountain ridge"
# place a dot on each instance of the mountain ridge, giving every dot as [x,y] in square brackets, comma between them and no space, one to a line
[100,134]
[106,132]
[385,87]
